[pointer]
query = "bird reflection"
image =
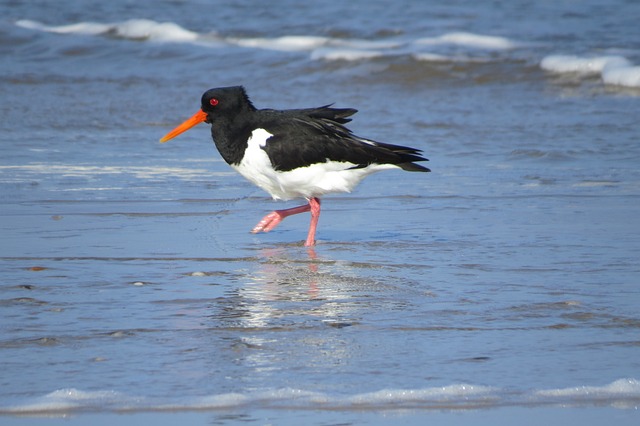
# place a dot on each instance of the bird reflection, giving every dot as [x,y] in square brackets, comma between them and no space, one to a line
[290,304]
[285,288]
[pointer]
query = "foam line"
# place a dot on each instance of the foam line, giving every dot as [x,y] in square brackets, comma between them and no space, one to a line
[622,393]
[613,69]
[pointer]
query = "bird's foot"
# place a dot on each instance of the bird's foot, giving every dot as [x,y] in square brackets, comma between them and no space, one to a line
[268,222]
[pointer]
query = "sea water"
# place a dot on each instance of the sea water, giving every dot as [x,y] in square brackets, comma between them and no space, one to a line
[506,279]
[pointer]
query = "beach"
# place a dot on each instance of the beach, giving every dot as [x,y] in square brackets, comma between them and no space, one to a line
[503,286]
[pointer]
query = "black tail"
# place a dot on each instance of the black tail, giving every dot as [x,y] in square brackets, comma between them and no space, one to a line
[330,122]
[407,156]
[412,167]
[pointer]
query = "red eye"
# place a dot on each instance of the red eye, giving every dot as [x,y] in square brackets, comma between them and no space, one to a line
[213,102]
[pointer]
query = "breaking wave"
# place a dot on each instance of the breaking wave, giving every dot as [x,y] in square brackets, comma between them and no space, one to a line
[614,70]
[623,393]
[448,47]
[437,48]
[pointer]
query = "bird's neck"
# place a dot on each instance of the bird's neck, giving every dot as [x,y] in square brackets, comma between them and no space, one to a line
[230,136]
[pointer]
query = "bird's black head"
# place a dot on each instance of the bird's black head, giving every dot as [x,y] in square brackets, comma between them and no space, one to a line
[217,105]
[225,101]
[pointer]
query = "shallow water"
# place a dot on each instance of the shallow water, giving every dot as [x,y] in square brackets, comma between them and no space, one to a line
[506,279]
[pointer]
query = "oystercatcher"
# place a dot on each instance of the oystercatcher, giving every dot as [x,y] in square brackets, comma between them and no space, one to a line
[295,153]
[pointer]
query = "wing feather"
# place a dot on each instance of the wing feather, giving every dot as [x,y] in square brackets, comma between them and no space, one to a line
[316,135]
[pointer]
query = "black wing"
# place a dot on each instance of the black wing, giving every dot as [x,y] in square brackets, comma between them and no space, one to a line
[317,135]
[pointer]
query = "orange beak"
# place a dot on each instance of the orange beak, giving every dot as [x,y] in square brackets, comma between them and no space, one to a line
[197,118]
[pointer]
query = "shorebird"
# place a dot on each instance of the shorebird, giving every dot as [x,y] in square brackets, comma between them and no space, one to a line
[294,153]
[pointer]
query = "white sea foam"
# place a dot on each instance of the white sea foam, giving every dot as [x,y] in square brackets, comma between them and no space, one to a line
[581,65]
[336,54]
[622,388]
[628,76]
[159,31]
[477,41]
[90,28]
[431,57]
[463,393]
[319,47]
[132,29]
[285,43]
[434,57]
[614,69]
[226,400]
[65,400]
[622,393]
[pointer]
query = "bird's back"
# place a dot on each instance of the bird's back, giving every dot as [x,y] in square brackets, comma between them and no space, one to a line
[323,113]
[302,137]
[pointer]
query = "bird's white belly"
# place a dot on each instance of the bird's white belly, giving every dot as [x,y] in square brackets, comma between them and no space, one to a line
[305,182]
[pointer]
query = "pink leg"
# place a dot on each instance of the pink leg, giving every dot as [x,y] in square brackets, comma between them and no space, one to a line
[271,220]
[314,205]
